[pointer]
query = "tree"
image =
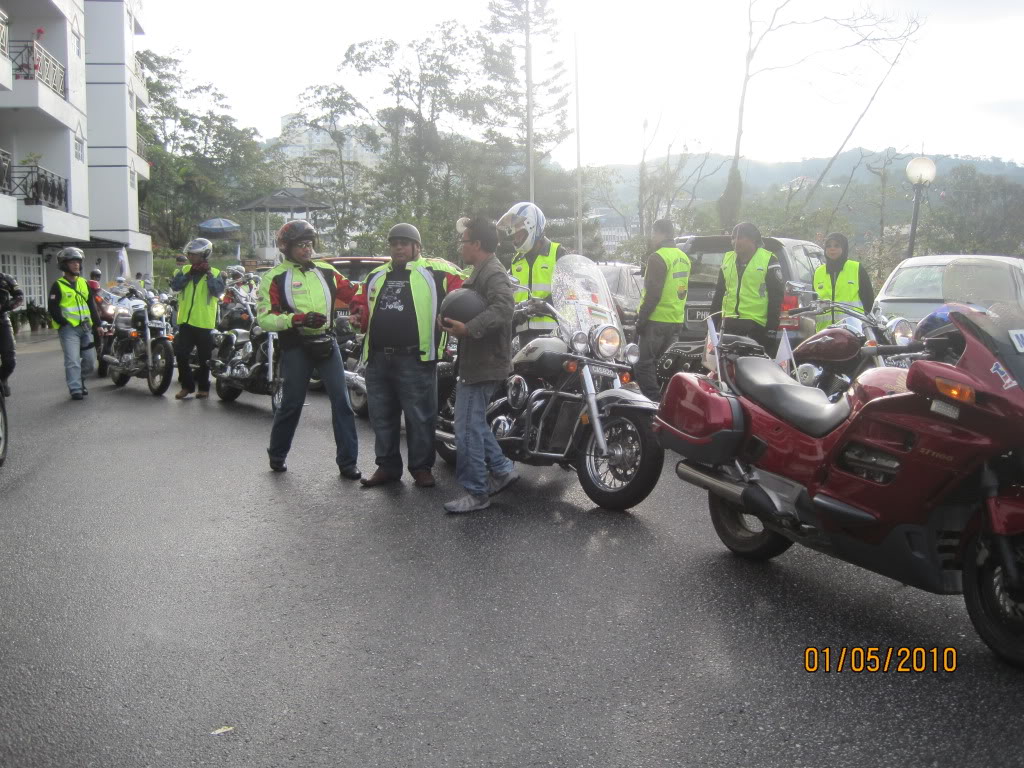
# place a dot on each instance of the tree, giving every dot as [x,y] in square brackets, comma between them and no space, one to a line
[975,213]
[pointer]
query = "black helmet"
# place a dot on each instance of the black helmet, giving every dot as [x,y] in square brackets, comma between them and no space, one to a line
[69,254]
[96,275]
[181,258]
[407,231]
[199,245]
[293,232]
[462,304]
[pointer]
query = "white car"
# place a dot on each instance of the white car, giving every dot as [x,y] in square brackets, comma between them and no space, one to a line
[914,289]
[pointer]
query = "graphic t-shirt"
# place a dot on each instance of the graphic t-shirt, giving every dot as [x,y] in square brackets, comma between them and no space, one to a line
[393,323]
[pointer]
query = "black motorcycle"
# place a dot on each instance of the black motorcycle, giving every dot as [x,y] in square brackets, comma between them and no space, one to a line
[246,357]
[140,345]
[564,402]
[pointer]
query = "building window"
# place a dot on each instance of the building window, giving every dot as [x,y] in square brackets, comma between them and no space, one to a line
[133,179]
[77,42]
[80,149]
[131,100]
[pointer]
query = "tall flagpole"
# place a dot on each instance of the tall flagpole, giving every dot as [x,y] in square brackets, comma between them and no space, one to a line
[529,101]
[579,167]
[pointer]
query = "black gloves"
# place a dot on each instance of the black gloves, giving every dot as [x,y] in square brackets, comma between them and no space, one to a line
[314,320]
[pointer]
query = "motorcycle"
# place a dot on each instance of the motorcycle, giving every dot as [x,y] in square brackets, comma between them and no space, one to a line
[245,356]
[140,344]
[916,474]
[564,402]
[831,359]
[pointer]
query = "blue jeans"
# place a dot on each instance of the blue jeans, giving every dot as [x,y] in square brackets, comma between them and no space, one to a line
[79,354]
[296,368]
[397,384]
[477,448]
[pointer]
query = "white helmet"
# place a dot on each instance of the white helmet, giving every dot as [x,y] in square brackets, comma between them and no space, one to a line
[523,216]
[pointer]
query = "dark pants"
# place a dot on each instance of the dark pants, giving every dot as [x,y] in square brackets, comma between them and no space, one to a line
[7,347]
[397,384]
[201,339]
[751,330]
[653,340]
[296,368]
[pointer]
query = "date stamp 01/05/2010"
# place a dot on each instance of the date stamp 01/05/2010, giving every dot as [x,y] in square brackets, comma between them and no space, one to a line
[859,659]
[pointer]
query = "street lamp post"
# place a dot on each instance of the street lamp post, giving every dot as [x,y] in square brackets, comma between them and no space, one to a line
[920,173]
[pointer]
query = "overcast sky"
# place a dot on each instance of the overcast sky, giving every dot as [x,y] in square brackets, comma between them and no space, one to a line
[957,90]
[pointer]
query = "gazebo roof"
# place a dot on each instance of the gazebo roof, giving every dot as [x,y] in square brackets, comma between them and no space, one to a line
[286,201]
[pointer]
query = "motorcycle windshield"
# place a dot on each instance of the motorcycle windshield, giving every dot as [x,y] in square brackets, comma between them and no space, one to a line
[580,296]
[989,296]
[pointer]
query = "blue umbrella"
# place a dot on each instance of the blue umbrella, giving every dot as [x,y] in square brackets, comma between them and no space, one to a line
[219,228]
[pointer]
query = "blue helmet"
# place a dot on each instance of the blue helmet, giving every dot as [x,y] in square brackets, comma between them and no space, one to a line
[935,324]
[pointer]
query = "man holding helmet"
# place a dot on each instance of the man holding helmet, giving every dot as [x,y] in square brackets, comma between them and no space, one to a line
[297,301]
[199,286]
[401,349]
[481,318]
[533,263]
[73,312]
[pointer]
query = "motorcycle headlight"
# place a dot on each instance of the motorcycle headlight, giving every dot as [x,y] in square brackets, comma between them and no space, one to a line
[580,343]
[108,311]
[607,341]
[900,331]
[156,309]
[632,354]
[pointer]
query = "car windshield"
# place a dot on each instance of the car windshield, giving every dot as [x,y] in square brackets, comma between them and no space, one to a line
[611,274]
[994,293]
[704,267]
[922,281]
[580,296]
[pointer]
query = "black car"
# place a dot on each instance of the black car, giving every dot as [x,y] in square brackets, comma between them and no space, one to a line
[798,259]
[625,283]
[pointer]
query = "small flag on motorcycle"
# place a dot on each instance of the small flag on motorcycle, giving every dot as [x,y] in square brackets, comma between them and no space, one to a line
[784,356]
[711,347]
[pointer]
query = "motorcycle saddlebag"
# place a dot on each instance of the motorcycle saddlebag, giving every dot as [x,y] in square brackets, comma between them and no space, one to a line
[699,421]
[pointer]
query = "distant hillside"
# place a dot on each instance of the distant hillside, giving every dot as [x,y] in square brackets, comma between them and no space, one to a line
[758,176]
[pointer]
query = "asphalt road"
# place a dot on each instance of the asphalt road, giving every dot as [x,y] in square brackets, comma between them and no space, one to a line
[158,584]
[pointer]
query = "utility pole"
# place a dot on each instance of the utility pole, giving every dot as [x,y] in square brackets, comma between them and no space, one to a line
[579,167]
[529,101]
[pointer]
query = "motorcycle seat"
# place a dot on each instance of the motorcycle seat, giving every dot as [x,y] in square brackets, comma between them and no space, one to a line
[806,408]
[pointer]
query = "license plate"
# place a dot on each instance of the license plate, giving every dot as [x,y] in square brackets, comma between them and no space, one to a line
[698,315]
[898,362]
[600,370]
[1017,337]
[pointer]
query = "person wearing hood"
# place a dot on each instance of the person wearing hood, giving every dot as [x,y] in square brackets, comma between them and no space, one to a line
[841,280]
[750,289]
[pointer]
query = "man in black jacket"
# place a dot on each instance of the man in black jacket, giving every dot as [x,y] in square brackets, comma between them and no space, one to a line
[11,297]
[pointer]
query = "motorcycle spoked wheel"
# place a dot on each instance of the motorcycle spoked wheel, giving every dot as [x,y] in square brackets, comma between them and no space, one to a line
[4,434]
[629,473]
[160,372]
[446,413]
[226,392]
[997,616]
[744,534]
[276,390]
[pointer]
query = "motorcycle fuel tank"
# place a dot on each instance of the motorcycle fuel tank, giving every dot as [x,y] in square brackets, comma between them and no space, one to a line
[541,357]
[832,345]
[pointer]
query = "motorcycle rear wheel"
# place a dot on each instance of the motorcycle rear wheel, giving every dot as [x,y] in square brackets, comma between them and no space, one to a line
[743,533]
[226,392]
[996,615]
[628,476]
[162,370]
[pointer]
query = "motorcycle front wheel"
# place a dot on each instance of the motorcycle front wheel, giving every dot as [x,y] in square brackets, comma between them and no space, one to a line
[629,472]
[226,392]
[743,533]
[996,612]
[162,369]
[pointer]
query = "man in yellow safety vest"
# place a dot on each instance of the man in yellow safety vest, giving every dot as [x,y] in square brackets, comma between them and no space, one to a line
[73,312]
[842,280]
[750,288]
[662,309]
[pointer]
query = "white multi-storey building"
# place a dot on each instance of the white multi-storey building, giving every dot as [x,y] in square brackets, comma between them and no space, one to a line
[70,161]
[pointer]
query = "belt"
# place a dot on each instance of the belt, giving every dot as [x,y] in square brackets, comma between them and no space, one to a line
[414,349]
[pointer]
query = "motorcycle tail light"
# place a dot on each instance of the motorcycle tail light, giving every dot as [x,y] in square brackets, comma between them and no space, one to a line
[955,390]
[789,302]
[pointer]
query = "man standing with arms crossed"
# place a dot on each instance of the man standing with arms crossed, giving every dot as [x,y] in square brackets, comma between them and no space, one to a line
[73,311]
[199,286]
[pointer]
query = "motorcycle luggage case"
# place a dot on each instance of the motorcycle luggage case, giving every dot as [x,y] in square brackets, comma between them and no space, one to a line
[699,421]
[682,356]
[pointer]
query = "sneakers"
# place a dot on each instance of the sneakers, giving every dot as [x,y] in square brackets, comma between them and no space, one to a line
[183,394]
[496,483]
[467,503]
[77,396]
[424,478]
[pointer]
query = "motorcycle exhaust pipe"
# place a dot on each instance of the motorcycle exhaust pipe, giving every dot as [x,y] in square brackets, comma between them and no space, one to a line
[111,360]
[728,490]
[446,436]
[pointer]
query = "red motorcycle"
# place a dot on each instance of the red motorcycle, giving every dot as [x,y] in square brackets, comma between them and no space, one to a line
[916,474]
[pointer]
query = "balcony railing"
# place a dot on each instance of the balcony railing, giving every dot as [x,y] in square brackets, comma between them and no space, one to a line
[5,33]
[145,222]
[142,146]
[6,167]
[38,186]
[33,62]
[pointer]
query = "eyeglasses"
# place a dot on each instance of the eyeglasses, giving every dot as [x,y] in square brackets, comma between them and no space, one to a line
[304,244]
